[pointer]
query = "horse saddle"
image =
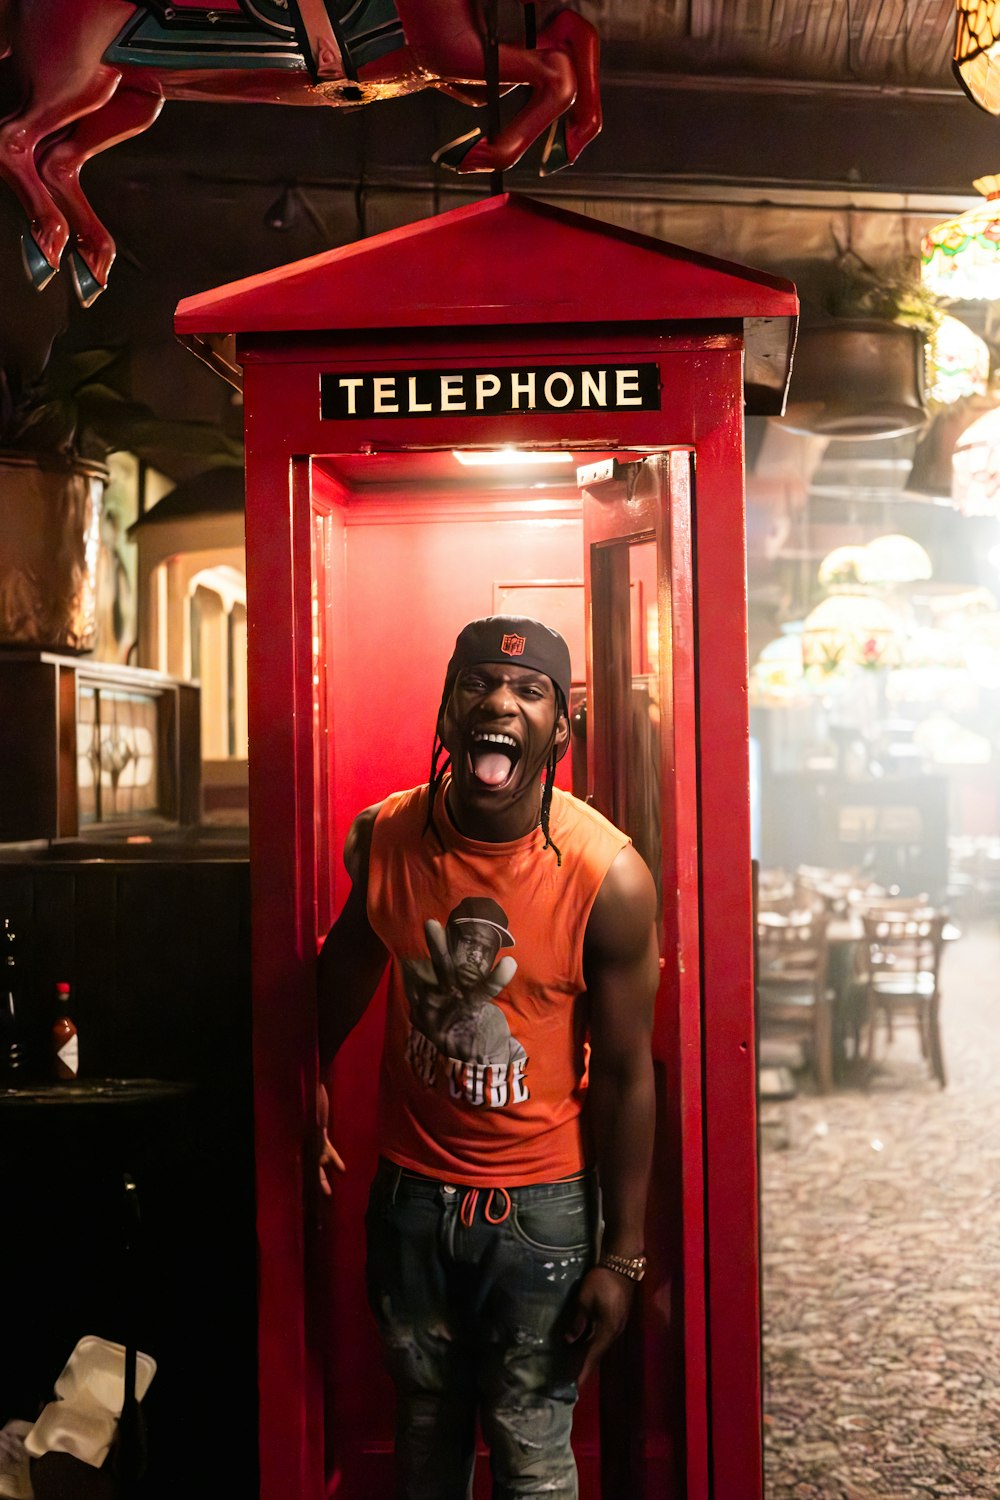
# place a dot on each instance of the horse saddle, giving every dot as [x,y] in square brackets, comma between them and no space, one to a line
[330,38]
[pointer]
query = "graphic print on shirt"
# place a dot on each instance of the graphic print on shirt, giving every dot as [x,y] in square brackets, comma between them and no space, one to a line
[454,1024]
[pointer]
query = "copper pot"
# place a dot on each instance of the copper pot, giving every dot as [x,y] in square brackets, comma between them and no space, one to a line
[857,378]
[50,534]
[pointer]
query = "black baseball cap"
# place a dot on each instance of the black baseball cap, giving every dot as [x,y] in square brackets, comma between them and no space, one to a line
[484,912]
[512,638]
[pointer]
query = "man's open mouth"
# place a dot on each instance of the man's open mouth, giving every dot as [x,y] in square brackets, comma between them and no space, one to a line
[493,758]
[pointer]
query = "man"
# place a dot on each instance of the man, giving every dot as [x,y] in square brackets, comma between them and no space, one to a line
[482,1224]
[451,994]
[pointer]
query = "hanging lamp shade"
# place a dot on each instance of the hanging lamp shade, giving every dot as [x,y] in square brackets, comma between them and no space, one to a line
[894,558]
[850,630]
[975,468]
[976,61]
[776,677]
[960,258]
[958,363]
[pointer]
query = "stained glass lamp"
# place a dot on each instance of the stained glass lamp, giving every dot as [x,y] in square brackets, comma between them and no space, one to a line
[850,630]
[777,678]
[960,258]
[958,363]
[976,63]
[894,558]
[841,568]
[975,468]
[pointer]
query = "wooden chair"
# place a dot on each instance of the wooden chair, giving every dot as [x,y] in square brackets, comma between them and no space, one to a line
[794,999]
[904,962]
[872,902]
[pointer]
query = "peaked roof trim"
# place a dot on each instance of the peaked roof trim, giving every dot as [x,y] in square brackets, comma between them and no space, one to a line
[216,311]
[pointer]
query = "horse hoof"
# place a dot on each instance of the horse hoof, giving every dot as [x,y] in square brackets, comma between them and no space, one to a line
[556,155]
[453,155]
[85,283]
[37,268]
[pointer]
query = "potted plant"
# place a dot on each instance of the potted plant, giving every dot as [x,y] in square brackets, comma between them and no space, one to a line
[55,433]
[859,366]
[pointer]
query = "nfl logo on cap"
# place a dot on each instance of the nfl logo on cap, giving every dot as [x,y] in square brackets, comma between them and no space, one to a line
[513,645]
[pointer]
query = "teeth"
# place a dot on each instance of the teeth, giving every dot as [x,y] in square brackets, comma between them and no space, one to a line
[495,739]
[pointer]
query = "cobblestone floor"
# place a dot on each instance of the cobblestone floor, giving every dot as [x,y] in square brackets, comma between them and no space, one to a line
[881,1223]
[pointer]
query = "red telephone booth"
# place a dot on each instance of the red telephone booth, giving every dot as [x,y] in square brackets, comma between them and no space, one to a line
[511,409]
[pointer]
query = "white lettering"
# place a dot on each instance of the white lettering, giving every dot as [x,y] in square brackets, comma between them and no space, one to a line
[498,1085]
[568,392]
[525,387]
[627,382]
[412,402]
[352,393]
[451,389]
[484,390]
[455,1072]
[474,1081]
[491,1084]
[385,388]
[596,386]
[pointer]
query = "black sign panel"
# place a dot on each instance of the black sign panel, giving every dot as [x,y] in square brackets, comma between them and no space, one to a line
[490,392]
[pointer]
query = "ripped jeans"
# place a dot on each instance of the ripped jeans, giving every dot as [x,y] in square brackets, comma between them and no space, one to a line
[472,1291]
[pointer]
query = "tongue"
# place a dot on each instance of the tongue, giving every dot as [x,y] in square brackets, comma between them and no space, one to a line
[492,767]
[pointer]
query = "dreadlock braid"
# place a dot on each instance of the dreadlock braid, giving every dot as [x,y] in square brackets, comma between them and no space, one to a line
[550,776]
[438,772]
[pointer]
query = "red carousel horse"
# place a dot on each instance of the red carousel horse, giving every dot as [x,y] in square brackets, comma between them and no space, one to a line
[96,72]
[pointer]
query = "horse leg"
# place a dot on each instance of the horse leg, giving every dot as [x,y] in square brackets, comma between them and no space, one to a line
[128,112]
[549,74]
[582,122]
[446,40]
[59,60]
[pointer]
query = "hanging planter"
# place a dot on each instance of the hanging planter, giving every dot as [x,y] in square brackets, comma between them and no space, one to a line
[859,373]
[50,532]
[857,378]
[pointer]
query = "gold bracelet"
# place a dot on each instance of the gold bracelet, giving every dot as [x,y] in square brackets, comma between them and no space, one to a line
[632,1266]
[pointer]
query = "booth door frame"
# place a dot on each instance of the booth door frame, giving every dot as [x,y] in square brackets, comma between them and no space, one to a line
[652,501]
[282,849]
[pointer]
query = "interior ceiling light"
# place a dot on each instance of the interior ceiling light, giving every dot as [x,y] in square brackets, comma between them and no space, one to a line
[976,62]
[960,258]
[958,363]
[894,559]
[502,457]
[975,468]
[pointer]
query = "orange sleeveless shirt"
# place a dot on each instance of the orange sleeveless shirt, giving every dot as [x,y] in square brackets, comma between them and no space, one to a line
[484,1065]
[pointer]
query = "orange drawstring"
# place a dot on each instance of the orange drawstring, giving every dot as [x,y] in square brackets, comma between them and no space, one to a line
[467,1212]
[489,1204]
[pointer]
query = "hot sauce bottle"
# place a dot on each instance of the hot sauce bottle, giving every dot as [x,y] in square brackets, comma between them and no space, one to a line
[65,1044]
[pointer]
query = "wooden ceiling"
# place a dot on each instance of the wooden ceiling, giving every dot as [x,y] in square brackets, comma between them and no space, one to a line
[901,43]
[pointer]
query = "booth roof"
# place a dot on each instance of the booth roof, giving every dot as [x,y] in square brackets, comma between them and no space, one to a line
[503,261]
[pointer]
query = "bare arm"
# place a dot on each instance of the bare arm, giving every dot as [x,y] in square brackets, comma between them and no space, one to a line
[351,963]
[621,966]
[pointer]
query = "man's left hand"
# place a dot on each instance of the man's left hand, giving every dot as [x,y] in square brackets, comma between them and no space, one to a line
[602,1308]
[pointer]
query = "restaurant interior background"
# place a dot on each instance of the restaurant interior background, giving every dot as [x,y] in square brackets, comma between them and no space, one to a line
[819,141]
